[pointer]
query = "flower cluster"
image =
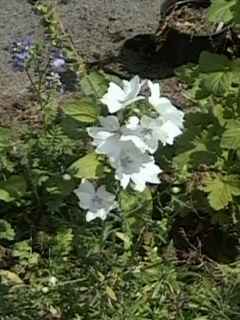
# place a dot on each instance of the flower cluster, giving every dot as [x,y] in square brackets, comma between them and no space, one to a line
[20,53]
[130,145]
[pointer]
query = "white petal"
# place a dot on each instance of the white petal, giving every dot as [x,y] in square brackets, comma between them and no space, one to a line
[171,132]
[155,93]
[98,134]
[110,123]
[110,147]
[85,192]
[113,98]
[124,180]
[102,214]
[148,174]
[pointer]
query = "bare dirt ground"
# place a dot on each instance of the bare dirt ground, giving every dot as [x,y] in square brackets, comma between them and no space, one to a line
[100,30]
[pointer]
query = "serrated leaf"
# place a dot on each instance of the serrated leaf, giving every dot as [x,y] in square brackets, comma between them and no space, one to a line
[94,84]
[81,109]
[6,230]
[88,167]
[221,190]
[217,82]
[218,73]
[221,11]
[231,137]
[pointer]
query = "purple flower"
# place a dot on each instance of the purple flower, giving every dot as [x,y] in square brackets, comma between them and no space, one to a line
[20,53]
[58,65]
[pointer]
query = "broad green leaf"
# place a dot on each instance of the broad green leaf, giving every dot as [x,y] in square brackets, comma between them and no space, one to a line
[221,10]
[6,230]
[87,167]
[5,195]
[236,12]
[94,84]
[15,187]
[218,73]
[81,109]
[221,190]
[211,62]
[231,137]
[217,82]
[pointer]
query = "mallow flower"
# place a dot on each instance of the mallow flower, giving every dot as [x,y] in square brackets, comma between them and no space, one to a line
[164,106]
[133,166]
[107,137]
[97,201]
[118,98]
[148,132]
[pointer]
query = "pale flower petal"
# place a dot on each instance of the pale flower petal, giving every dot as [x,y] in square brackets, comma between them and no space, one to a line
[117,98]
[134,166]
[99,202]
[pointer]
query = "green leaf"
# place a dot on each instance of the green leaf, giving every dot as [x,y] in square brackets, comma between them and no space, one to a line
[6,230]
[23,251]
[221,189]
[94,84]
[62,242]
[217,82]
[15,187]
[231,137]
[221,10]
[218,73]
[4,137]
[5,195]
[111,294]
[211,62]
[88,167]
[82,109]
[136,202]
[10,278]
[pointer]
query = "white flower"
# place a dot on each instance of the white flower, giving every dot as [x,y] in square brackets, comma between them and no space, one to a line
[159,130]
[98,202]
[118,98]
[134,166]
[164,106]
[107,137]
[147,132]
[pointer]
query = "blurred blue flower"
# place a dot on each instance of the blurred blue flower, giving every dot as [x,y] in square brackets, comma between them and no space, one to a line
[20,53]
[58,61]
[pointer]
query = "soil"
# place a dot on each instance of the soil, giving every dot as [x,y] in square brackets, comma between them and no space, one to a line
[192,20]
